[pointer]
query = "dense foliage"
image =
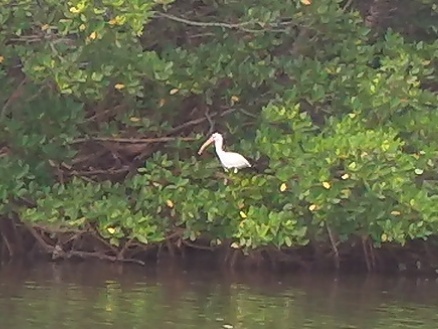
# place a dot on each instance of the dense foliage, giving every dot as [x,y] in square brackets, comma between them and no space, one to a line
[105,103]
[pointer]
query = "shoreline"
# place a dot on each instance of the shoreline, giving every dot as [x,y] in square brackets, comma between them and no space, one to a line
[29,243]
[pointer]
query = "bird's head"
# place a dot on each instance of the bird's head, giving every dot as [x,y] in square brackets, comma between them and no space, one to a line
[215,137]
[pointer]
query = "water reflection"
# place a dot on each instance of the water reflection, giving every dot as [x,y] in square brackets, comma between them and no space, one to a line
[168,296]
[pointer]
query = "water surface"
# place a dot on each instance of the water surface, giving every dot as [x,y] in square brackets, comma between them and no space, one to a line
[102,295]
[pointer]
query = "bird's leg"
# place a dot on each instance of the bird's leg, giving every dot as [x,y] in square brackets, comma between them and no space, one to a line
[225,179]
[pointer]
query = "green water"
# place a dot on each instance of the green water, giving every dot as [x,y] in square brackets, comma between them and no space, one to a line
[95,296]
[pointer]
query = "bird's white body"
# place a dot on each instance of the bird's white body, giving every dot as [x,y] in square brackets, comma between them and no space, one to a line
[229,160]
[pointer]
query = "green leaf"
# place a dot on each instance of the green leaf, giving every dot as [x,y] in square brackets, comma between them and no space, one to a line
[288,241]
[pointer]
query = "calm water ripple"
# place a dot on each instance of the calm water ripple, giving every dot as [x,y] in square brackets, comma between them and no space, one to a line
[90,295]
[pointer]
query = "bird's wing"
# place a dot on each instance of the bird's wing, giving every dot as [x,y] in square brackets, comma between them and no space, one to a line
[234,160]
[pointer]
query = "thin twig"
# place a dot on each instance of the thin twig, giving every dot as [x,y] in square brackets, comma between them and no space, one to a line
[238,26]
[37,94]
[100,171]
[131,140]
[8,245]
[121,253]
[348,4]
[15,95]
[201,35]
[365,252]
[210,121]
[100,238]
[48,248]
[195,246]
[334,246]
[199,120]
[87,157]
[85,254]
[373,257]
[58,230]
[204,24]
[178,233]
[248,113]
[54,38]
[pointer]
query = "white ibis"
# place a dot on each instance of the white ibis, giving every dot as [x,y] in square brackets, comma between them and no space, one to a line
[229,160]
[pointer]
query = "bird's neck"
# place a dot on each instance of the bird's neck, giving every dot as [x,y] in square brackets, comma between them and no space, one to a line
[218,145]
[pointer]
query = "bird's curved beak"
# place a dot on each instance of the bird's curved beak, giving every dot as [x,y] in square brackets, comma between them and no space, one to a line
[204,146]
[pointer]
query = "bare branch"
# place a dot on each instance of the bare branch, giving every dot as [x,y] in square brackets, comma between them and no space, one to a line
[16,94]
[237,26]
[200,120]
[132,140]
[347,5]
[210,121]
[204,24]
[334,246]
[196,246]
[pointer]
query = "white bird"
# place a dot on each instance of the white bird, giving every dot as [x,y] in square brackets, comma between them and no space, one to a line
[229,160]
